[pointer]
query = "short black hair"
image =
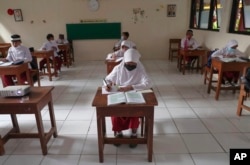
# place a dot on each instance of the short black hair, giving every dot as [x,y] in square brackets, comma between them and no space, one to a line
[189,31]
[126,34]
[50,36]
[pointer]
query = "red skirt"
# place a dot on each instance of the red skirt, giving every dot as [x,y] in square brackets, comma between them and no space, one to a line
[123,123]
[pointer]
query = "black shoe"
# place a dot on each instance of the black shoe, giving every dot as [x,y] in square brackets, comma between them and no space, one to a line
[118,136]
[133,145]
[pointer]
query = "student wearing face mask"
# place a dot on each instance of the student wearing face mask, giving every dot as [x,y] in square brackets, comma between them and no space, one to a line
[229,51]
[128,75]
[15,53]
[124,37]
[51,44]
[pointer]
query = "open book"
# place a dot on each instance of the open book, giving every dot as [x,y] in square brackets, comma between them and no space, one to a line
[131,97]
[236,59]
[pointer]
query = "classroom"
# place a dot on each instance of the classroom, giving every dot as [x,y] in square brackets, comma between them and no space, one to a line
[191,126]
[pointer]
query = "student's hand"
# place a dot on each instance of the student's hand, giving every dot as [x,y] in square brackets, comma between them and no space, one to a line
[53,48]
[108,87]
[126,88]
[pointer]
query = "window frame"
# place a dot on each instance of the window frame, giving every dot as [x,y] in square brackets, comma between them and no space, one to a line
[212,7]
[233,18]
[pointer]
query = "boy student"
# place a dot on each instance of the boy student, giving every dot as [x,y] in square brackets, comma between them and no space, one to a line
[124,37]
[189,43]
[230,78]
[129,75]
[50,44]
[61,40]
[16,52]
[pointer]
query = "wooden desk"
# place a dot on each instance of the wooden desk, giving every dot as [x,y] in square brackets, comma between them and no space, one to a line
[4,47]
[39,97]
[124,110]
[183,54]
[16,70]
[111,64]
[65,48]
[221,67]
[48,55]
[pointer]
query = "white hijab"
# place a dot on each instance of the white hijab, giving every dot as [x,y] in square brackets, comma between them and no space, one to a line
[232,43]
[137,78]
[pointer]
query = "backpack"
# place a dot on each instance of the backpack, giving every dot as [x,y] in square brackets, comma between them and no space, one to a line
[209,58]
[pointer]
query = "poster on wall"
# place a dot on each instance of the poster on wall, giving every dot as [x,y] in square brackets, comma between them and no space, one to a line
[171,10]
[18,15]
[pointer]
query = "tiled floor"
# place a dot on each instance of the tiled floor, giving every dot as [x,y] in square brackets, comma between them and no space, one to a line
[191,128]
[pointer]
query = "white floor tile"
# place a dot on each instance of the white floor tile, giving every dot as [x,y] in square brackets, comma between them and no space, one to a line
[173,159]
[211,158]
[190,126]
[201,143]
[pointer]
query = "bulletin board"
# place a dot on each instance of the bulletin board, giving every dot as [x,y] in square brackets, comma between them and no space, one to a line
[86,31]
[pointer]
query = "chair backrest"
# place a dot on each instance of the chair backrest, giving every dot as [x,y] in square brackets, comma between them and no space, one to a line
[174,43]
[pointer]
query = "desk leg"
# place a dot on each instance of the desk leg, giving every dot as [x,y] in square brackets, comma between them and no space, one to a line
[183,66]
[15,123]
[41,133]
[100,136]
[150,135]
[52,117]
[49,69]
[210,80]
[218,85]
[1,146]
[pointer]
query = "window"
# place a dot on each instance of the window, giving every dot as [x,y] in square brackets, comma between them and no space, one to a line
[240,17]
[206,14]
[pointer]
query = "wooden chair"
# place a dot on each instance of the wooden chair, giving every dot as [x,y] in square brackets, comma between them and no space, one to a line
[34,71]
[174,46]
[4,47]
[242,97]
[65,54]
[207,68]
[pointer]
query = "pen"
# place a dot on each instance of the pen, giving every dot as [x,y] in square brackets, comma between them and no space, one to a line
[105,82]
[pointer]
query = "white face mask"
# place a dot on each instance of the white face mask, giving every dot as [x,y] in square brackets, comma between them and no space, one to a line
[231,51]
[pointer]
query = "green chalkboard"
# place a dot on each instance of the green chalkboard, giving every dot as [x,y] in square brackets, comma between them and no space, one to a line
[85,31]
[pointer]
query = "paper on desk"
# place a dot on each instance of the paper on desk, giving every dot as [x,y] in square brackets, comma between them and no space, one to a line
[5,63]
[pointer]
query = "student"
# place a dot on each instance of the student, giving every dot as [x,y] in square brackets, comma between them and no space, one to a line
[229,51]
[128,75]
[125,45]
[15,53]
[51,45]
[61,40]
[125,36]
[189,43]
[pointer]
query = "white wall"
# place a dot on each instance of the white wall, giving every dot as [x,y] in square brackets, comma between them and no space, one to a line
[151,33]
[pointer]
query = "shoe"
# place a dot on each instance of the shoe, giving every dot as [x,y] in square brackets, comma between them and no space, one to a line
[234,84]
[120,135]
[226,84]
[133,145]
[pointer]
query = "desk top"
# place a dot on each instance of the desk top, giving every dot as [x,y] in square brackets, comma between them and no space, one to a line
[100,100]
[36,93]
[193,52]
